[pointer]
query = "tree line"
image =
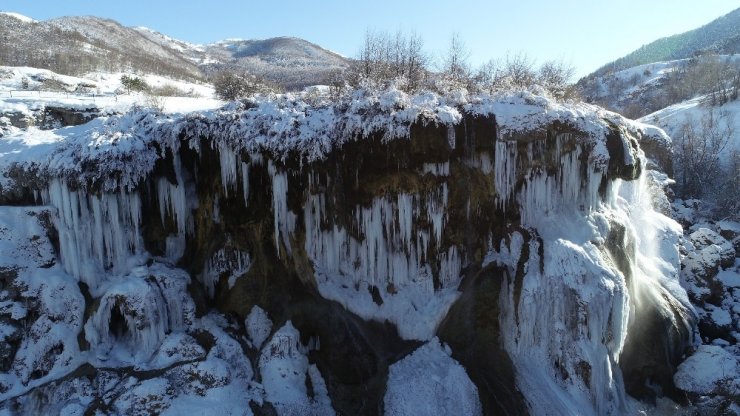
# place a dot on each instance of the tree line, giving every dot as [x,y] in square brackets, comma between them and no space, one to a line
[399,59]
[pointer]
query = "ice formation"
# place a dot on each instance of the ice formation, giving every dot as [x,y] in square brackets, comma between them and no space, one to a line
[232,262]
[173,200]
[386,248]
[97,233]
[148,304]
[570,296]
[580,249]
[284,219]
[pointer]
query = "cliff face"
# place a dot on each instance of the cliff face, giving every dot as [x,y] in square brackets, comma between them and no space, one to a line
[518,232]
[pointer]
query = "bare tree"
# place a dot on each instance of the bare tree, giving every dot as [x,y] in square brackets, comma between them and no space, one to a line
[230,85]
[555,77]
[385,58]
[697,150]
[455,65]
[519,71]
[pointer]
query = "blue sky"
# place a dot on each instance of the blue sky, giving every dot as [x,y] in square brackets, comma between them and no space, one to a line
[583,33]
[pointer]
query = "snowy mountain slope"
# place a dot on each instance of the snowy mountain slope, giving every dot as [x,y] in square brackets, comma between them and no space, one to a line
[647,88]
[722,36]
[80,44]
[77,45]
[44,99]
[188,49]
[674,117]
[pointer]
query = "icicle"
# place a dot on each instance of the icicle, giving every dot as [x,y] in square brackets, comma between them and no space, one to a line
[96,233]
[451,137]
[505,170]
[284,219]
[245,182]
[234,262]
[436,169]
[173,200]
[228,160]
[437,211]
[392,248]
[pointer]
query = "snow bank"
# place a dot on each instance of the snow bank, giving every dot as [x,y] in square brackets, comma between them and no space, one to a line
[430,382]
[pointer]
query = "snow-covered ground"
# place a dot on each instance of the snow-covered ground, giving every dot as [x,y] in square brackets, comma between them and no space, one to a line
[22,18]
[631,91]
[25,90]
[672,118]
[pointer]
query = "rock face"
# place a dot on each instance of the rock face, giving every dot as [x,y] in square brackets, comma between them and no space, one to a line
[49,117]
[517,231]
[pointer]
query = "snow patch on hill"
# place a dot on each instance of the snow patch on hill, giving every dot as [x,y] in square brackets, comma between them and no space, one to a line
[22,18]
[672,118]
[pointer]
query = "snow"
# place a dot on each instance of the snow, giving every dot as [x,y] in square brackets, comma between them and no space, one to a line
[674,116]
[18,16]
[258,326]
[280,125]
[730,278]
[709,370]
[284,368]
[430,382]
[175,348]
[48,310]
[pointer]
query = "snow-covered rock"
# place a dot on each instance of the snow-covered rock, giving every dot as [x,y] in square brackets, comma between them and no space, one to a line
[708,253]
[258,326]
[710,370]
[286,371]
[430,382]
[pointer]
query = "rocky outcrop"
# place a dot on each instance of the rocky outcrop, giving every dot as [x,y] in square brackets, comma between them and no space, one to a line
[509,229]
[49,117]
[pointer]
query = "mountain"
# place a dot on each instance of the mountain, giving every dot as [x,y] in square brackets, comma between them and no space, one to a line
[82,44]
[287,61]
[77,45]
[721,36]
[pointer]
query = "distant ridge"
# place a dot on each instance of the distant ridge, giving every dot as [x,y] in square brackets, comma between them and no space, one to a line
[721,36]
[78,45]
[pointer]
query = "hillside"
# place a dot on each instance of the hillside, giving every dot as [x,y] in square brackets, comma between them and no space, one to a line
[291,62]
[644,89]
[722,36]
[79,45]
